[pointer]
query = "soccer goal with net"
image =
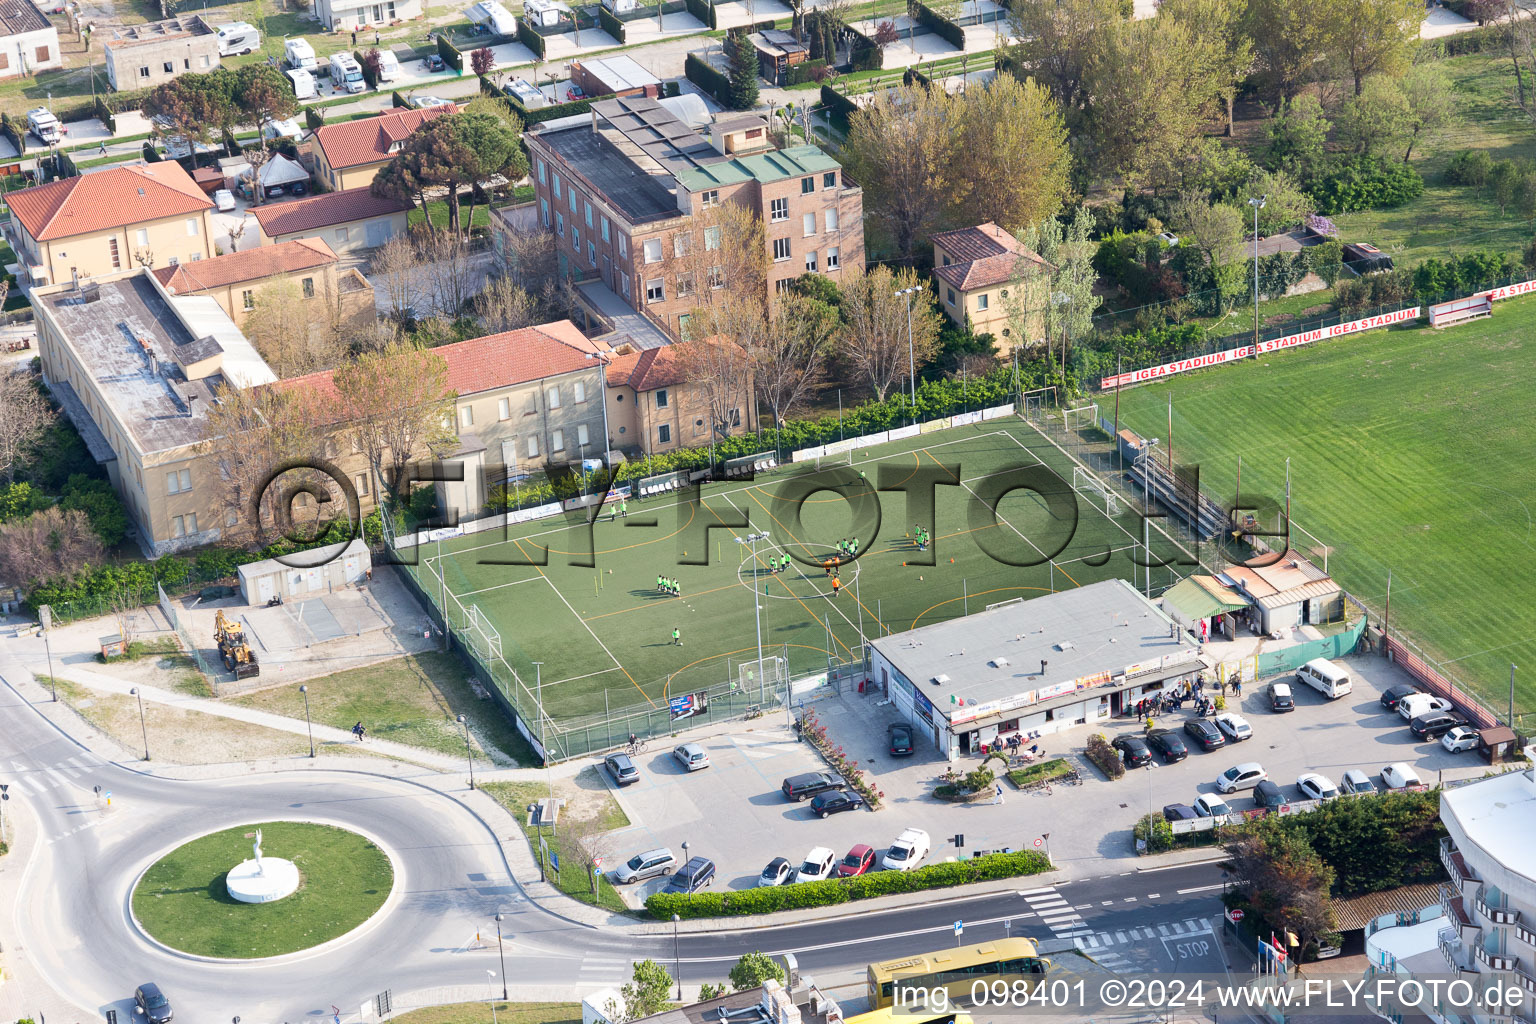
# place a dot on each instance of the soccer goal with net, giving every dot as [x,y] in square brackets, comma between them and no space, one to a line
[1082,416]
[1085,483]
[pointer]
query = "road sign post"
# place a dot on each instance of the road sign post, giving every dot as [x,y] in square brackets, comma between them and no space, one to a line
[959,928]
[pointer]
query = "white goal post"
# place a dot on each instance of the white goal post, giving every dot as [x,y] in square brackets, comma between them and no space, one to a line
[1082,416]
[1084,482]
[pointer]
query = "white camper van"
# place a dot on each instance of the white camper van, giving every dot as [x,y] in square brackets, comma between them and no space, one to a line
[44,125]
[346,73]
[303,83]
[238,38]
[389,66]
[299,54]
[1325,677]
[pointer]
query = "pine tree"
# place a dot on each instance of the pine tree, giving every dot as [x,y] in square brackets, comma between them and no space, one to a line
[743,91]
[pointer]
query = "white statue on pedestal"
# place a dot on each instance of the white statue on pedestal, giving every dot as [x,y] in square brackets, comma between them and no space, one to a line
[256,848]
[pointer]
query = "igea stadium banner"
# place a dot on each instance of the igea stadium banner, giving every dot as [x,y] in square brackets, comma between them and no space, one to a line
[1292,340]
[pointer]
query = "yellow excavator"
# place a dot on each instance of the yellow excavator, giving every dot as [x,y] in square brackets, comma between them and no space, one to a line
[233,648]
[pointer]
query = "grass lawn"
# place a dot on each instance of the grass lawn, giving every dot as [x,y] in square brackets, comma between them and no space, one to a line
[587,800]
[1030,774]
[414,700]
[506,1013]
[1409,451]
[603,632]
[182,901]
[439,211]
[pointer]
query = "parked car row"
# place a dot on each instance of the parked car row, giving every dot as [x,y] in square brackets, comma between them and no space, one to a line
[691,756]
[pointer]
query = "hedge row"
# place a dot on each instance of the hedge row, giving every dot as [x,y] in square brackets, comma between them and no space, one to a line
[703,10]
[451,54]
[610,24]
[951,33]
[529,38]
[834,891]
[836,102]
[1105,757]
[701,74]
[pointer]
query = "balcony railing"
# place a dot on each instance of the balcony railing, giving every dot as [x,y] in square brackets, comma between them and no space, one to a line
[1497,913]
[1455,865]
[1525,935]
[1526,979]
[1492,961]
[1455,953]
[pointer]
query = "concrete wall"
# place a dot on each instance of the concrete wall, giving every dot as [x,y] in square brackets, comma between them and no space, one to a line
[30,52]
[146,64]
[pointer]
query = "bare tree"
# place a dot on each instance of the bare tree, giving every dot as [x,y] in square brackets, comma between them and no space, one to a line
[877,338]
[397,405]
[791,360]
[248,433]
[26,415]
[716,356]
[396,270]
[48,544]
[290,332]
[123,605]
[448,272]
[722,261]
[505,305]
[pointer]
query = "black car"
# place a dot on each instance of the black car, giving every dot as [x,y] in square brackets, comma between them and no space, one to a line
[151,1002]
[1179,812]
[900,734]
[835,801]
[1134,750]
[1392,694]
[1167,743]
[1267,794]
[1436,724]
[691,877]
[803,787]
[434,62]
[622,769]
[1204,732]
[1281,698]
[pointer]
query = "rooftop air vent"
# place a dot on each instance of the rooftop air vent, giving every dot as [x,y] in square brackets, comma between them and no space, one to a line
[939,680]
[998,663]
[1065,645]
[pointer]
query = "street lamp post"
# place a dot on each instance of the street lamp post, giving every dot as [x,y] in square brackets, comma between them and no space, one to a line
[307,724]
[468,753]
[757,606]
[911,358]
[1257,204]
[144,729]
[677,960]
[502,956]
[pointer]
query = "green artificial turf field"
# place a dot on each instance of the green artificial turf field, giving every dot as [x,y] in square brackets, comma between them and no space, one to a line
[604,633]
[1411,450]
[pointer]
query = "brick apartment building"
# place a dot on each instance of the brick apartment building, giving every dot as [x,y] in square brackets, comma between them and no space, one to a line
[627,193]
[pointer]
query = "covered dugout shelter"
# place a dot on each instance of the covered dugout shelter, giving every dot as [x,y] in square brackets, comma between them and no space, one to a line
[1204,601]
[261,581]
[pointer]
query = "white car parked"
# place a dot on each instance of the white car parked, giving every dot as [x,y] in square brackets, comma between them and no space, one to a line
[818,865]
[1316,787]
[1208,805]
[224,199]
[907,852]
[1416,704]
[1460,738]
[1398,776]
[778,872]
[1234,726]
[1357,782]
[691,756]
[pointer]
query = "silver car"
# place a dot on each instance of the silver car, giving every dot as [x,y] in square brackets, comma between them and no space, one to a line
[645,865]
[691,756]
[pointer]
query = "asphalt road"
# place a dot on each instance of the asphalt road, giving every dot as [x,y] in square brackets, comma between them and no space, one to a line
[72,912]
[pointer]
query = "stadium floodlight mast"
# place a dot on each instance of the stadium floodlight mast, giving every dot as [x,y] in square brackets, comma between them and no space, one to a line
[1257,204]
[911,360]
[757,604]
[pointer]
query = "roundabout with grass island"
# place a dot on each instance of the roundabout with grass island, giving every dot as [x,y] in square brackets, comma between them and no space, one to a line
[312,883]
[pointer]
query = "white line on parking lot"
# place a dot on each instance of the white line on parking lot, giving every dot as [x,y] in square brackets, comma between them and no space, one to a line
[1130,899]
[1107,903]
[1153,895]
[1200,888]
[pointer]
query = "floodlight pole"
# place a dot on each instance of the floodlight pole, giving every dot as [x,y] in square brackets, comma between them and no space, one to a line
[1257,204]
[911,358]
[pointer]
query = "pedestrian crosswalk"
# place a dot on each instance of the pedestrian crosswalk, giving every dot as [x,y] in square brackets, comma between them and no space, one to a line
[1101,944]
[32,781]
[1055,912]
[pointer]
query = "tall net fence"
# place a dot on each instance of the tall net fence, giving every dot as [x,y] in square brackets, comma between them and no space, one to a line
[189,643]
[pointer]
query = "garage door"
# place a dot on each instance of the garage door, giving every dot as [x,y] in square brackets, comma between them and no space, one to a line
[379,232]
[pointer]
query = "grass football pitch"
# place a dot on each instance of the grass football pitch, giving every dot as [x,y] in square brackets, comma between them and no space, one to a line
[1411,450]
[603,632]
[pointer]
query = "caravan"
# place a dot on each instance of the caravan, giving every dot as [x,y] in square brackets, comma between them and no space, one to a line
[44,125]
[346,73]
[389,66]
[238,38]
[303,84]
[299,54]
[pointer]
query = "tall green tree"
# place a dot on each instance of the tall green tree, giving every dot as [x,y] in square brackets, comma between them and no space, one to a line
[754,968]
[1069,301]
[1290,40]
[1056,40]
[1013,154]
[1298,136]
[1375,120]
[743,76]
[494,147]
[646,991]
[1228,51]
[901,150]
[1431,106]
[1374,37]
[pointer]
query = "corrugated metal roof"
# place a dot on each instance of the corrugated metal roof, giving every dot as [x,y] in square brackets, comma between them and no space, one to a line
[1362,910]
[1295,595]
[1192,599]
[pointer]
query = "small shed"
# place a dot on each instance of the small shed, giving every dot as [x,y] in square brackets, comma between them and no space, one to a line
[620,75]
[209,179]
[777,52]
[262,581]
[112,646]
[1498,743]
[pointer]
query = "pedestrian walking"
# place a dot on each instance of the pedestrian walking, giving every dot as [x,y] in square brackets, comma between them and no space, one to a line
[677,637]
[660,583]
[357,730]
[102,149]
[677,588]
[1237,687]
[997,794]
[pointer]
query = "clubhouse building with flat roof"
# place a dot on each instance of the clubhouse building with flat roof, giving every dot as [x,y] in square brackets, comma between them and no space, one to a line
[1058,661]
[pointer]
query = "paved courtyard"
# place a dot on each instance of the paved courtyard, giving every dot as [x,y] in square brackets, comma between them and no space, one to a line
[735,814]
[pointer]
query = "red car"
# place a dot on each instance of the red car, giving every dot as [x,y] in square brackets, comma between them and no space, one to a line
[857,861]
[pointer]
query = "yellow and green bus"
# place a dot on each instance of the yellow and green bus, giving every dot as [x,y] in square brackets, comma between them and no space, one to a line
[912,982]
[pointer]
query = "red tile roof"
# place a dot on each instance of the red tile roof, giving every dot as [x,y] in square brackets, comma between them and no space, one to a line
[286,218]
[251,265]
[983,256]
[367,140]
[484,364]
[646,370]
[107,199]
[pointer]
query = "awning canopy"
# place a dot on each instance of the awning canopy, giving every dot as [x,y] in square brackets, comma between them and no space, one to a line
[1201,597]
[280,170]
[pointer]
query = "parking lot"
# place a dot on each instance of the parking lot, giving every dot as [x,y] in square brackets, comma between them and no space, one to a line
[735,814]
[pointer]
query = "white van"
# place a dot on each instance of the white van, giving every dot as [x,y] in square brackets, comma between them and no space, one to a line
[389,66]
[303,84]
[238,37]
[1325,677]
[346,73]
[299,54]
[44,125]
